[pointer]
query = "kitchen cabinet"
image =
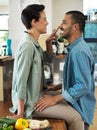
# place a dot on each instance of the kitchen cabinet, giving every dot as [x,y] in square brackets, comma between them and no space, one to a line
[90,36]
[60,56]
[6,71]
[57,68]
[94,125]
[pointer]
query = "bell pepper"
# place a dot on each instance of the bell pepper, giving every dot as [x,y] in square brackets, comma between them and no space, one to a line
[21,124]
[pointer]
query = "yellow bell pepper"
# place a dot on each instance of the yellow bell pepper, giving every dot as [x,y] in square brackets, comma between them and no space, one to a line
[21,124]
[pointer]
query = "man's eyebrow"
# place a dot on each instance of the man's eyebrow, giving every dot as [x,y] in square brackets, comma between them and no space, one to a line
[63,20]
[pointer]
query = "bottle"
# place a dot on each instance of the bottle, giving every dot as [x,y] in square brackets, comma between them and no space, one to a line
[66,43]
[55,46]
[61,45]
[9,51]
[3,53]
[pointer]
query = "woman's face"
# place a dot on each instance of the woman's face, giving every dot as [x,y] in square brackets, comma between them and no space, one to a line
[41,25]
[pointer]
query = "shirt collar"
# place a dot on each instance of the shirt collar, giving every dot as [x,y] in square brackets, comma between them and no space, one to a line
[73,44]
[32,39]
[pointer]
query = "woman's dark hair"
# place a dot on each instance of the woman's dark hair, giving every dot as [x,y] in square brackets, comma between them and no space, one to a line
[31,12]
[78,17]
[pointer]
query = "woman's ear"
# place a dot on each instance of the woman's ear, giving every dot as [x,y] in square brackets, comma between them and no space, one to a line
[33,23]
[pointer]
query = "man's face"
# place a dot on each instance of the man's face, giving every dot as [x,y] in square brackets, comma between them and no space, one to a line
[41,25]
[67,27]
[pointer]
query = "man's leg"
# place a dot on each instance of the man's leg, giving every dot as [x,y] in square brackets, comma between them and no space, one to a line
[86,126]
[63,111]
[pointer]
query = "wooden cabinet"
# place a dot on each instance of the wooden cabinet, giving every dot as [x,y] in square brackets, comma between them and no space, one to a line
[6,71]
[90,36]
[61,56]
[57,68]
[94,126]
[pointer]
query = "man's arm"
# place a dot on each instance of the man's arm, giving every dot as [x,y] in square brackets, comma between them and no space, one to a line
[47,101]
[54,87]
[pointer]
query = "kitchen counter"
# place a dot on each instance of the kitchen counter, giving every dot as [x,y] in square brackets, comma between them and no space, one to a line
[6,71]
[5,60]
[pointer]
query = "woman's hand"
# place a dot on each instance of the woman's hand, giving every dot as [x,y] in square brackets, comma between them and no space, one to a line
[53,36]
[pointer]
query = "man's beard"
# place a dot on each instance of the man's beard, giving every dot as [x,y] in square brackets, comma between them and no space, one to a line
[66,36]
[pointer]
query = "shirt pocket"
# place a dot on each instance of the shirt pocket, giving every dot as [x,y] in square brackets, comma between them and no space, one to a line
[37,64]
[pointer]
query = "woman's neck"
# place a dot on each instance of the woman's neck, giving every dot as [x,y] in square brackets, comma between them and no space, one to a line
[34,34]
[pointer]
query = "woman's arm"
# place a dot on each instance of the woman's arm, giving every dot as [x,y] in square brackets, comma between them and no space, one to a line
[53,36]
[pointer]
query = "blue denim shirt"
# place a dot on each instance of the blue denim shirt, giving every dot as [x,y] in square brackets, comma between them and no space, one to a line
[78,79]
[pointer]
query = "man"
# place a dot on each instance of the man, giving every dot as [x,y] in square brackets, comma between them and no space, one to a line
[28,74]
[76,103]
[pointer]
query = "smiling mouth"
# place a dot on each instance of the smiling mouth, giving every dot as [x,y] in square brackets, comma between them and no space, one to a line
[62,31]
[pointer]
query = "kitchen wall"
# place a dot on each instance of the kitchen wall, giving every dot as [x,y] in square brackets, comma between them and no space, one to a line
[4,6]
[55,11]
[4,9]
[60,7]
[15,26]
[3,1]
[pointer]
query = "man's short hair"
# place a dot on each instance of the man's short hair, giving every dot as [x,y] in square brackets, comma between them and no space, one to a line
[78,17]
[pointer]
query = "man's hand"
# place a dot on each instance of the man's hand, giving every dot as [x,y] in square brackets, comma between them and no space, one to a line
[47,101]
[44,102]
